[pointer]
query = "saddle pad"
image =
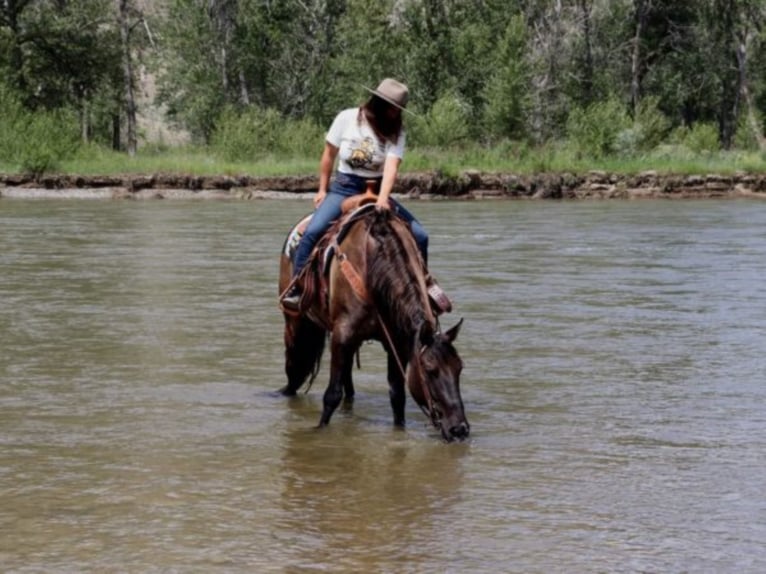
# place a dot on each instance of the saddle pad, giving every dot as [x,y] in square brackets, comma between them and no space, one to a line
[294,237]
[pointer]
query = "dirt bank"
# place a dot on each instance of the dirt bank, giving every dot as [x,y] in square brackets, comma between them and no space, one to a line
[431,185]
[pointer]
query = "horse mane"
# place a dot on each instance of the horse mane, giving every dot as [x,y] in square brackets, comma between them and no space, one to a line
[395,275]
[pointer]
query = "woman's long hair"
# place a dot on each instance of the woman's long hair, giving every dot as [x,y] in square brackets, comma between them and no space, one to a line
[375,111]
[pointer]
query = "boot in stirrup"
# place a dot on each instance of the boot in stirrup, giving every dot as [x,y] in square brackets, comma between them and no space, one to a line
[439,300]
[292,298]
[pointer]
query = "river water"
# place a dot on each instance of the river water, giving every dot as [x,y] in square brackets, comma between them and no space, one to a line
[614,353]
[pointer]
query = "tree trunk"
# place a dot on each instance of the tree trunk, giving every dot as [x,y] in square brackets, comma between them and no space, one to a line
[116,132]
[127,69]
[585,9]
[642,9]
[85,120]
[244,94]
[730,80]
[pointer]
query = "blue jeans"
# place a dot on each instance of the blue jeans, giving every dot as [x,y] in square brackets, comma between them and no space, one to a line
[345,185]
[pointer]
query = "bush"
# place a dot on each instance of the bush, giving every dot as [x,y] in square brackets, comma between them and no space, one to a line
[746,138]
[446,124]
[12,113]
[594,131]
[701,138]
[35,142]
[46,140]
[651,124]
[256,133]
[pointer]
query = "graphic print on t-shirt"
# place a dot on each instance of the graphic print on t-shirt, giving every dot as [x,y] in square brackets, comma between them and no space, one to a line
[361,155]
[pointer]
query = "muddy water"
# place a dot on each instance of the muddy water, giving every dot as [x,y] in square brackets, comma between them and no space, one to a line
[615,361]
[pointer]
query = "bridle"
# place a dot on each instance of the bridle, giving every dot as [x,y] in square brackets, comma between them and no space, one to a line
[430,411]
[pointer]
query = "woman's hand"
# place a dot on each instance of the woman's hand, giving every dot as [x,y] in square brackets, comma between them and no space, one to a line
[390,169]
[319,197]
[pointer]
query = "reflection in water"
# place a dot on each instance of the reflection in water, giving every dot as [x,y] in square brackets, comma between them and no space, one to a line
[360,503]
[613,377]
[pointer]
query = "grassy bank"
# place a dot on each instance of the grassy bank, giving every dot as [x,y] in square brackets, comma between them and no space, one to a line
[199,161]
[507,158]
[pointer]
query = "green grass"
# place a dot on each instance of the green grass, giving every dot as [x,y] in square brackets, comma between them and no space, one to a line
[666,160]
[188,160]
[507,158]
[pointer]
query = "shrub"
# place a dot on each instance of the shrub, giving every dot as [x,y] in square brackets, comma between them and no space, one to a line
[594,131]
[46,140]
[650,123]
[11,115]
[446,124]
[256,133]
[35,142]
[746,138]
[701,138]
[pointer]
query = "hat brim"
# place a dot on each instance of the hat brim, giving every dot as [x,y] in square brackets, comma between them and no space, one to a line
[375,92]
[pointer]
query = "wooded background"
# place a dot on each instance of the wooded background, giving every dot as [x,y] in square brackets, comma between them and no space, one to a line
[613,76]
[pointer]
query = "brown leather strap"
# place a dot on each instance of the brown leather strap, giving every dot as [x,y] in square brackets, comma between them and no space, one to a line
[353,277]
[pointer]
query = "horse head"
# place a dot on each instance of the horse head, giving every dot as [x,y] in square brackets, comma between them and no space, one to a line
[433,377]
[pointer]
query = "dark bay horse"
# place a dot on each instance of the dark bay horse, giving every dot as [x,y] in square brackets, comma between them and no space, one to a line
[374,288]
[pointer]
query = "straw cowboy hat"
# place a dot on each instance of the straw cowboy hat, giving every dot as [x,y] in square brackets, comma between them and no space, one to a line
[395,93]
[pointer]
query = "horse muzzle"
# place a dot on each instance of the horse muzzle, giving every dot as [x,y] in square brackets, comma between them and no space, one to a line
[457,432]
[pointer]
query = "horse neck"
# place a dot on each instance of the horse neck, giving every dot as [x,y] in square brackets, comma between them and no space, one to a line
[398,285]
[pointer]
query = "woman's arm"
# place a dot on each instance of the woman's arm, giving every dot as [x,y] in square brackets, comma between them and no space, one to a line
[326,165]
[390,170]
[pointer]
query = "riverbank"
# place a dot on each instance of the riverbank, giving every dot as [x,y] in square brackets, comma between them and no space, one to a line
[424,185]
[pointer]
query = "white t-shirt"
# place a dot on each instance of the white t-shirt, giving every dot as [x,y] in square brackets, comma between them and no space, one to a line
[360,151]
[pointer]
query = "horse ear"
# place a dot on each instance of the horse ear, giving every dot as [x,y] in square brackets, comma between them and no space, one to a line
[425,334]
[452,333]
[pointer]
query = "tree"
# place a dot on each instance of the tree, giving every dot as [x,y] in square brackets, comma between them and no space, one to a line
[10,17]
[123,17]
[506,92]
[749,25]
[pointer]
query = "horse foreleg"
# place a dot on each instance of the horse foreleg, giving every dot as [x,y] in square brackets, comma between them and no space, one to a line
[340,369]
[396,389]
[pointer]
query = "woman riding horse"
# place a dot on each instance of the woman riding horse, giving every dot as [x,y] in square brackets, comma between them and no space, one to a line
[369,143]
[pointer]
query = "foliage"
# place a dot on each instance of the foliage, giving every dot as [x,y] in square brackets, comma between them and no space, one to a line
[256,133]
[35,142]
[616,79]
[746,138]
[594,131]
[13,110]
[700,138]
[190,83]
[653,124]
[505,94]
[447,124]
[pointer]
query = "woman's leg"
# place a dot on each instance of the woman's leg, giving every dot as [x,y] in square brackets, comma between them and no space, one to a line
[325,214]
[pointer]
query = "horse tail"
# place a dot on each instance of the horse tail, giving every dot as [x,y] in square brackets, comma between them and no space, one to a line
[304,346]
